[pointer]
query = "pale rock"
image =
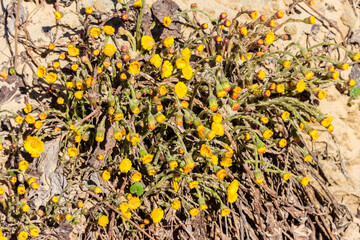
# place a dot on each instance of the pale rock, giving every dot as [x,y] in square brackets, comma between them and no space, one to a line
[104,6]
[348,18]
[291,29]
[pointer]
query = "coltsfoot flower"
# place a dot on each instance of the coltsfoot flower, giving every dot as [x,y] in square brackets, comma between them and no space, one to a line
[34,146]
[157,214]
[103,221]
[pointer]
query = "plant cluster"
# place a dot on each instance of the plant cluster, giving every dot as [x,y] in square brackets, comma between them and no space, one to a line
[170,126]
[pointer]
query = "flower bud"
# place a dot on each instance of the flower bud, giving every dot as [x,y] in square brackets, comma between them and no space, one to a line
[226,85]
[125,16]
[134,106]
[179,118]
[258,176]
[151,122]
[85,59]
[111,100]
[100,133]
[126,57]
[124,49]
[223,15]
[188,118]
[213,105]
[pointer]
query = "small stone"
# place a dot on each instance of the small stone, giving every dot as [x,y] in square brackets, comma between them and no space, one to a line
[291,29]
[349,19]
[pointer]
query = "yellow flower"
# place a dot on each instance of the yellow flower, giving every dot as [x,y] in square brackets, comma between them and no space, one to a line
[34,232]
[304,181]
[133,138]
[193,184]
[166,21]
[74,67]
[193,212]
[243,57]
[162,90]
[221,174]
[25,208]
[225,212]
[136,177]
[157,214]
[261,74]
[134,67]
[88,10]
[243,31]
[42,116]
[176,204]
[23,165]
[127,214]
[73,152]
[232,198]
[203,207]
[187,72]
[160,118]
[30,119]
[156,60]
[321,94]
[186,53]
[51,77]
[124,207]
[308,75]
[214,159]
[19,119]
[180,90]
[55,199]
[40,72]
[205,150]
[73,51]
[217,128]
[60,101]
[21,189]
[264,120]
[57,15]
[286,176]
[109,50]
[106,175]
[314,134]
[34,146]
[307,158]
[233,187]
[125,165]
[261,150]
[166,69]
[167,42]
[218,58]
[300,86]
[200,48]
[351,82]
[173,164]
[138,4]
[134,203]
[285,115]
[103,221]
[286,64]
[147,42]
[182,62]
[109,30]
[226,162]
[282,143]
[269,38]
[22,235]
[78,94]
[147,158]
[267,133]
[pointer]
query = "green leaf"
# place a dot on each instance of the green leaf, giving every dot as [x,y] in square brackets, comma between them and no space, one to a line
[137,188]
[354,91]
